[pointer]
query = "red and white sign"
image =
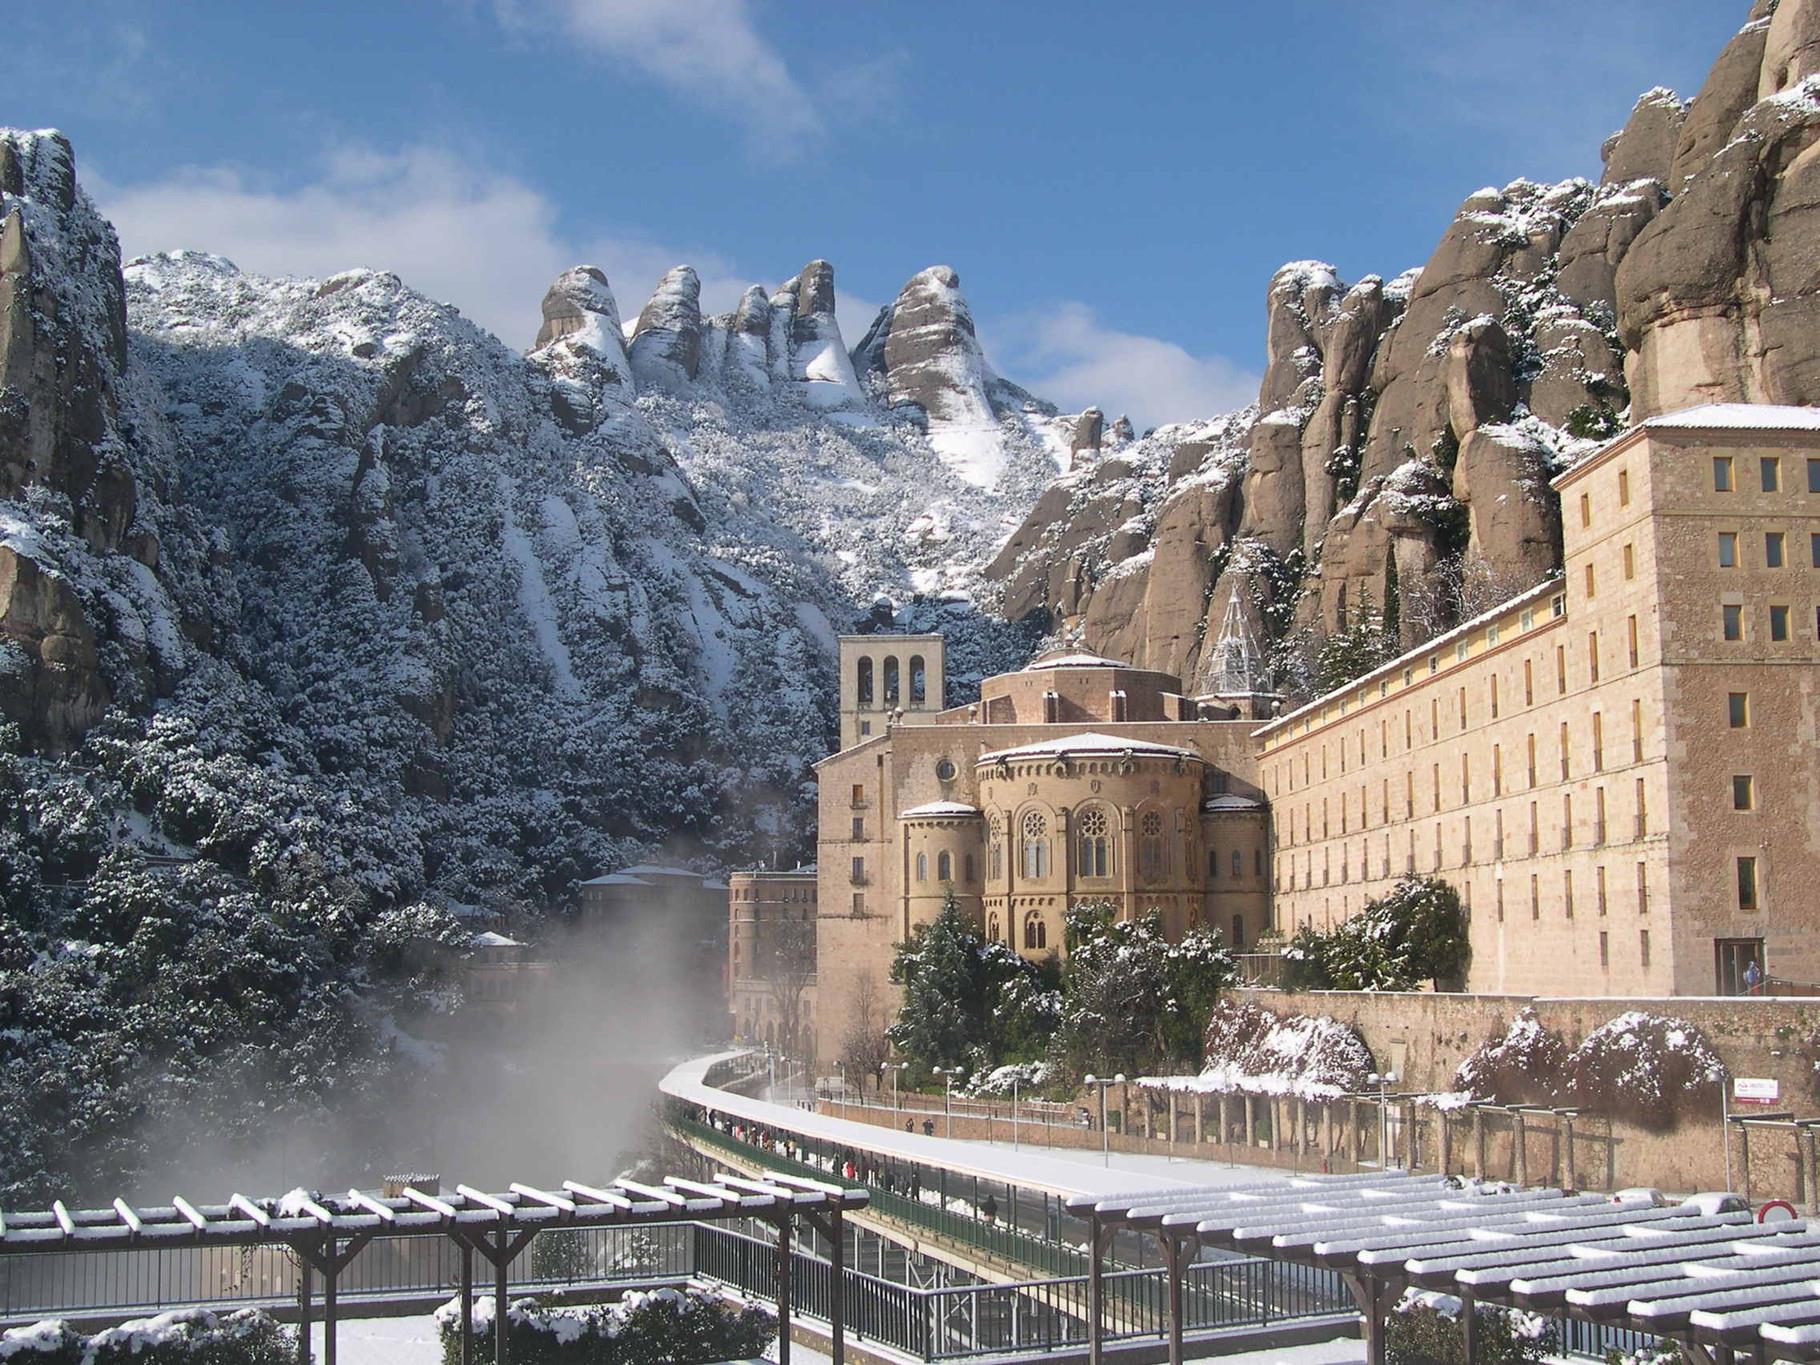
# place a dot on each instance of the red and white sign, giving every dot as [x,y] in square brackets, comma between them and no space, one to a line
[1755,1090]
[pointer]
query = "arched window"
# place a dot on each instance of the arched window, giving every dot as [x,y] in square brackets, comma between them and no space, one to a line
[890,682]
[919,680]
[1238,864]
[922,867]
[944,867]
[1036,933]
[1094,843]
[865,682]
[995,848]
[1238,933]
[992,935]
[1153,847]
[1036,845]
[1213,863]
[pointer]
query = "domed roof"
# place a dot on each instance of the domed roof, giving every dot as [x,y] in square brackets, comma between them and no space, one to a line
[1090,743]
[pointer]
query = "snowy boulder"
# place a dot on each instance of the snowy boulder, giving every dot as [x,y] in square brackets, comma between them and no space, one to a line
[1089,431]
[666,343]
[1644,149]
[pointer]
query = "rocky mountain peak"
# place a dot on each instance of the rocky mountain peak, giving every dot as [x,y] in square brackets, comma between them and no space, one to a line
[579,297]
[666,342]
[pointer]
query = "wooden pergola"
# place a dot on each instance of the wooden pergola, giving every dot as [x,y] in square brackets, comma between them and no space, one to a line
[1718,1283]
[327,1232]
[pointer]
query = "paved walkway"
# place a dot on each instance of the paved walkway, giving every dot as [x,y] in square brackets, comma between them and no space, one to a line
[1056,1170]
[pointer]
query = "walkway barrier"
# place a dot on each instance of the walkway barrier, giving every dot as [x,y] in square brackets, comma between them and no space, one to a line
[960,1322]
[83,1283]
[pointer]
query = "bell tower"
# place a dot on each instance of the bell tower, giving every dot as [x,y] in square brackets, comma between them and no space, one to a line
[886,679]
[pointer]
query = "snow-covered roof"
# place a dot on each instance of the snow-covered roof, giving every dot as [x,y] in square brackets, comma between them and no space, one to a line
[616,879]
[661,870]
[489,939]
[1090,743]
[1077,661]
[1737,417]
[1231,801]
[939,808]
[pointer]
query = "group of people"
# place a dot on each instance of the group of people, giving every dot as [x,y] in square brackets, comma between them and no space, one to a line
[854,1167]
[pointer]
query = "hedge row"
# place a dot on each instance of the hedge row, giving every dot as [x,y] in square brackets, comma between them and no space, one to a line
[662,1327]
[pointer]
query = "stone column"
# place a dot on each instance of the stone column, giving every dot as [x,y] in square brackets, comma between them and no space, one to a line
[1172,1128]
[1200,1119]
[1250,1122]
[1571,1181]
[1478,1142]
[1520,1147]
[1409,1135]
[1443,1147]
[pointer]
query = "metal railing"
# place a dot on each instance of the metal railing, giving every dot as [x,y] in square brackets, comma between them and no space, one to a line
[996,1238]
[74,1284]
[959,1322]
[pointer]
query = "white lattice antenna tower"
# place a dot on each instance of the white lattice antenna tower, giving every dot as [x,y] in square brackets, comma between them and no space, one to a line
[1235,667]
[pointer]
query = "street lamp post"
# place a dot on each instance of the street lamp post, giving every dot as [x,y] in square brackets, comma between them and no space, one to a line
[1014,1111]
[948,1073]
[1102,1084]
[1383,1083]
[894,1068]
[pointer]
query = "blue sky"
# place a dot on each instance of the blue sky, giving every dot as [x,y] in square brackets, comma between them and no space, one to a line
[1115,182]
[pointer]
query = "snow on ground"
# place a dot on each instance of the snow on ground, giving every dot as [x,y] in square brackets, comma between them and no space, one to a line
[382,1341]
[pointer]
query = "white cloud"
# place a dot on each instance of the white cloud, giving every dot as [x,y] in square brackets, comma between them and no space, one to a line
[709,51]
[1071,358]
[485,242]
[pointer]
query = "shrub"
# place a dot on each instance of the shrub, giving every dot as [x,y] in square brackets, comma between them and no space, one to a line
[663,1327]
[1647,1068]
[1525,1065]
[1414,932]
[1425,1329]
[1249,1050]
[190,1336]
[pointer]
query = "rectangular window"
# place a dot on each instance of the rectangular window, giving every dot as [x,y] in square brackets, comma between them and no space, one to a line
[1598,833]
[1497,770]
[1642,810]
[1643,946]
[1567,821]
[1500,900]
[1462,708]
[859,905]
[1642,887]
[1529,675]
[1630,560]
[1731,621]
[1737,708]
[1813,548]
[1567,892]
[1722,473]
[859,827]
[1744,792]
[859,795]
[1769,471]
[1534,833]
[1561,669]
[1494,698]
[1592,655]
[1585,509]
[1535,897]
[1728,549]
[1636,731]
[1465,779]
[1775,544]
[1604,949]
[1531,743]
[1598,742]
[1813,476]
[859,870]
[1592,587]
[1599,879]
[1624,488]
[1778,623]
[1630,631]
[1437,786]
[1747,883]
[1566,754]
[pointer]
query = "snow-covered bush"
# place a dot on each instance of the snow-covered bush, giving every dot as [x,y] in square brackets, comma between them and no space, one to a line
[1028,1078]
[1425,1329]
[1251,1051]
[190,1336]
[1647,1068]
[662,1327]
[1526,1064]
